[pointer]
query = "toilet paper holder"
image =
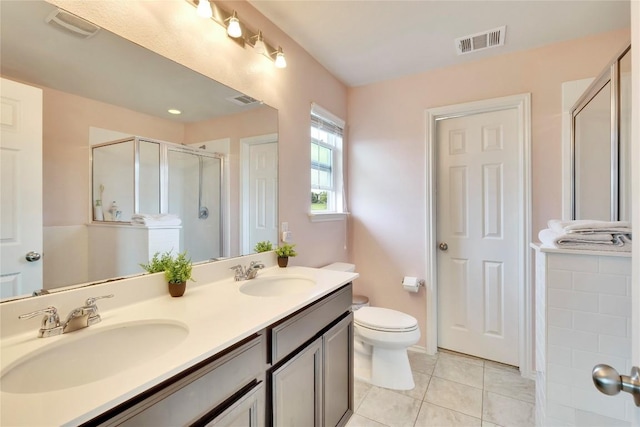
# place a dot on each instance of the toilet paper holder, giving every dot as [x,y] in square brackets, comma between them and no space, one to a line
[412,283]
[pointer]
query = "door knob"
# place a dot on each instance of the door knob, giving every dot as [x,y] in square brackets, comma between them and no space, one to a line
[609,381]
[32,256]
[443,246]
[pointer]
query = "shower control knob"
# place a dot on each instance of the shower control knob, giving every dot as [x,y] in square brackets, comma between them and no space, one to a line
[443,246]
[609,381]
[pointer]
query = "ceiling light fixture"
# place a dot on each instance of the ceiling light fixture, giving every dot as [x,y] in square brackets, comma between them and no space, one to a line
[233,28]
[238,31]
[174,111]
[281,61]
[259,47]
[204,9]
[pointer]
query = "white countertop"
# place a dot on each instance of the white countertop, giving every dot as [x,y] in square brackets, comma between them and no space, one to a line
[217,315]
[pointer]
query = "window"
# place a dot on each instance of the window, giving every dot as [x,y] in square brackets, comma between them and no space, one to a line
[327,194]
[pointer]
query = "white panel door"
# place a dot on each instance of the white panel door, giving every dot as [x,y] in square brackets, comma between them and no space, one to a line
[477,232]
[263,194]
[20,188]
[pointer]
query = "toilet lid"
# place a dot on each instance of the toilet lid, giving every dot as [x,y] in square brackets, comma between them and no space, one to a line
[385,319]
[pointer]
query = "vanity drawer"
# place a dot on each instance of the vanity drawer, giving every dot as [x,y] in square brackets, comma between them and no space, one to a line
[300,327]
[189,397]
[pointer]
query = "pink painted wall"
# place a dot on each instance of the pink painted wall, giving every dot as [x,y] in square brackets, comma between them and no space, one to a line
[172,29]
[387,153]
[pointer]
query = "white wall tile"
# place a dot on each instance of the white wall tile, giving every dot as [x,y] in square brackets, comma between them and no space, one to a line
[559,374]
[559,355]
[559,393]
[589,419]
[559,279]
[586,360]
[600,323]
[561,412]
[614,265]
[614,304]
[573,262]
[559,336]
[560,317]
[615,346]
[587,341]
[604,283]
[592,400]
[583,301]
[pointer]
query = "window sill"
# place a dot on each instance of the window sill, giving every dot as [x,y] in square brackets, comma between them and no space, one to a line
[328,216]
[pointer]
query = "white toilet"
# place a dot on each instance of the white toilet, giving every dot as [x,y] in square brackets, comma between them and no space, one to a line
[382,337]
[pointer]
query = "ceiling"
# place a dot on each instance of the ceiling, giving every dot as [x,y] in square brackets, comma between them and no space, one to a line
[362,42]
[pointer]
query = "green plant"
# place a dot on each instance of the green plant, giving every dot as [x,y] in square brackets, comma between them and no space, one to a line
[178,269]
[157,263]
[265,246]
[286,250]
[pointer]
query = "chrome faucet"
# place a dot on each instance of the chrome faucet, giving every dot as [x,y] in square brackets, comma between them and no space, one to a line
[248,273]
[78,318]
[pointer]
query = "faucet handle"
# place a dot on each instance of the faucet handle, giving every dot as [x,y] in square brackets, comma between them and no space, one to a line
[92,300]
[50,324]
[236,268]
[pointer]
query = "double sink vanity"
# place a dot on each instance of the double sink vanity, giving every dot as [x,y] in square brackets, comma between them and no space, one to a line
[273,350]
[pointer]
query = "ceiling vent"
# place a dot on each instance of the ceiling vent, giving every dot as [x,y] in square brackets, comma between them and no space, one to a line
[243,100]
[69,22]
[480,41]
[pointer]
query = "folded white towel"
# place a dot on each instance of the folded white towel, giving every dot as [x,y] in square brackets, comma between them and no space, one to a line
[595,242]
[585,226]
[155,220]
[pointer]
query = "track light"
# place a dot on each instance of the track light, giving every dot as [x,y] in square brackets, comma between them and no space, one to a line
[233,28]
[259,47]
[281,61]
[204,9]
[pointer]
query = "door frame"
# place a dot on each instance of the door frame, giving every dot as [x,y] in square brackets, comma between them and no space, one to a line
[245,145]
[521,103]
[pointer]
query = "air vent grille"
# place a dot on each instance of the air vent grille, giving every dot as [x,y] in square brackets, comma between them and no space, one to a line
[243,100]
[71,23]
[481,41]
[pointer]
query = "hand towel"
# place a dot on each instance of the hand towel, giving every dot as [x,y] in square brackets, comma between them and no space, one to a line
[594,242]
[586,226]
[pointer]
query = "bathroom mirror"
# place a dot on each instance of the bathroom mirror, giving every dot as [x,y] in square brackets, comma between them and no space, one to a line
[601,126]
[104,88]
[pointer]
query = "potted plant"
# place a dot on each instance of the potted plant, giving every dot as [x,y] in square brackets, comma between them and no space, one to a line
[284,252]
[177,270]
[264,246]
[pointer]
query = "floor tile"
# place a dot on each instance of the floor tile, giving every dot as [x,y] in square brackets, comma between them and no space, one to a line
[488,424]
[456,396]
[459,356]
[509,383]
[418,392]
[505,411]
[360,421]
[389,408]
[360,390]
[498,365]
[422,362]
[460,371]
[436,416]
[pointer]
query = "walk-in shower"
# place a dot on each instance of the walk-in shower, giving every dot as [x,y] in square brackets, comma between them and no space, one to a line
[159,180]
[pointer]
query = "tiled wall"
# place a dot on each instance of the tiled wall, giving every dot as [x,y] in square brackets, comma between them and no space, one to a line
[583,318]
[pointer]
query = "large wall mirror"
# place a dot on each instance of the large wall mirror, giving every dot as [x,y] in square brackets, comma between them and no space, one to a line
[108,99]
[601,130]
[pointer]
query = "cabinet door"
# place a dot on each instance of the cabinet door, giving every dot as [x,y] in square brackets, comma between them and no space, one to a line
[338,373]
[248,411]
[297,389]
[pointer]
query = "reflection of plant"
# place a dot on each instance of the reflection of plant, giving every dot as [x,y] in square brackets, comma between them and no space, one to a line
[176,269]
[265,246]
[286,250]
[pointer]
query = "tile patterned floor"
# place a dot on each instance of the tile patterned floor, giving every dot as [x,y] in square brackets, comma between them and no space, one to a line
[451,390]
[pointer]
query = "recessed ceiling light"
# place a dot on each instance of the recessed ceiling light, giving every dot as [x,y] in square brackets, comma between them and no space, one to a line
[174,111]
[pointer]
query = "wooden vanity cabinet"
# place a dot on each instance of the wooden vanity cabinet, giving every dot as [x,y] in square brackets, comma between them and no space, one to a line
[311,382]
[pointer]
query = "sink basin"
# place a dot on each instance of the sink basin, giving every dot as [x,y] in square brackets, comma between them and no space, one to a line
[86,356]
[276,286]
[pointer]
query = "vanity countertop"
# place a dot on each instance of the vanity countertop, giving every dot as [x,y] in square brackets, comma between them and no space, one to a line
[216,314]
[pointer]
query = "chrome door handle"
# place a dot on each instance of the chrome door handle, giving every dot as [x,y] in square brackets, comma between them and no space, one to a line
[443,246]
[609,381]
[32,256]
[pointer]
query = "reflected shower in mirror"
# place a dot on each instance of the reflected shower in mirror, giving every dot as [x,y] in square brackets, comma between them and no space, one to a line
[104,88]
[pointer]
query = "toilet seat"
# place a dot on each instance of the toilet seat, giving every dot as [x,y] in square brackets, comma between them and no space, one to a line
[384,320]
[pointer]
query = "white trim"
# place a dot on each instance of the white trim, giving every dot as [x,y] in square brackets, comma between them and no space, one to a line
[328,216]
[522,103]
[245,246]
[327,115]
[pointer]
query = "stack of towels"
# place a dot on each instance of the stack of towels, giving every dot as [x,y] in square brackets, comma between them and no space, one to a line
[149,220]
[588,235]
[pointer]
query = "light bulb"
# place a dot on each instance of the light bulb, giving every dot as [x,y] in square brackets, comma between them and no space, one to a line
[204,9]
[233,29]
[281,62]
[259,45]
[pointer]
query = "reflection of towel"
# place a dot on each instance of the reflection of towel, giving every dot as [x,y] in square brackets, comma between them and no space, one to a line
[594,241]
[585,226]
[155,220]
